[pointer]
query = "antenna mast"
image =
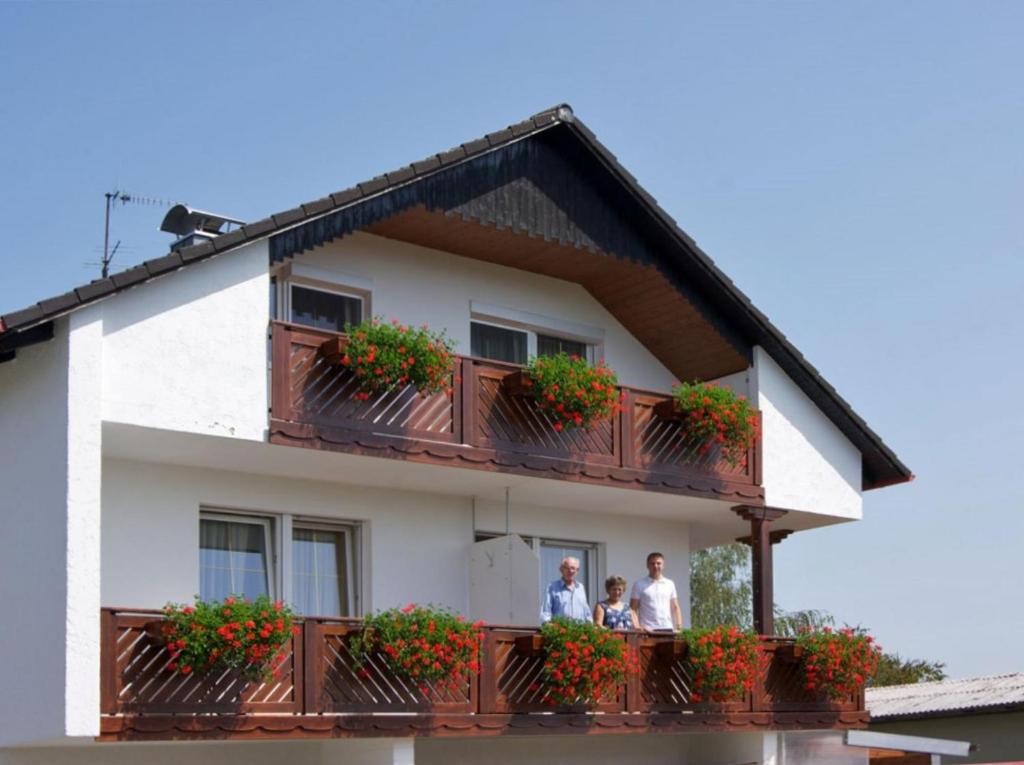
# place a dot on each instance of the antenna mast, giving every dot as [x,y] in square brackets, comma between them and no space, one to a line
[124,198]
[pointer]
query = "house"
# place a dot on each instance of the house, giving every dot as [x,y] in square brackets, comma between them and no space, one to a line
[176,429]
[987,711]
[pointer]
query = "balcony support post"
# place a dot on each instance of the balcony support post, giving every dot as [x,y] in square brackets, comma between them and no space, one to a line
[761,539]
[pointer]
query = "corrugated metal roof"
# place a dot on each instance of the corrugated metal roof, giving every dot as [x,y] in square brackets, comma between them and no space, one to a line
[946,698]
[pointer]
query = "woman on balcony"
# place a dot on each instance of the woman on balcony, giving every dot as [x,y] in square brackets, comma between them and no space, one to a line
[613,612]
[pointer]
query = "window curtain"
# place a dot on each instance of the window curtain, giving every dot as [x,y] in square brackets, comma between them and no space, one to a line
[232,559]
[552,346]
[324,310]
[319,572]
[497,343]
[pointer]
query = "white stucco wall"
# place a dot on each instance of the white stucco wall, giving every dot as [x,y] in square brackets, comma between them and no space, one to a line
[416,546]
[49,552]
[419,285]
[809,464]
[188,351]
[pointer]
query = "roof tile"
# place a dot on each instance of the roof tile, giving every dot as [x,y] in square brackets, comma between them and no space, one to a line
[347,196]
[318,206]
[452,155]
[426,165]
[499,137]
[94,289]
[164,264]
[522,128]
[24,316]
[129,276]
[475,147]
[60,303]
[400,176]
[250,230]
[204,249]
[289,216]
[374,185]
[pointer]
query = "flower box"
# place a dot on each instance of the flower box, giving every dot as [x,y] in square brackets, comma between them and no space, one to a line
[789,653]
[671,650]
[530,645]
[668,410]
[516,383]
[333,349]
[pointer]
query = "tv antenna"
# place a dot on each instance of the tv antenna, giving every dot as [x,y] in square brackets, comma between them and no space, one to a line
[113,197]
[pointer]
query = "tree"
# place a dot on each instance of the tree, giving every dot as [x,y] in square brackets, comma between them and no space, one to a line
[721,593]
[720,589]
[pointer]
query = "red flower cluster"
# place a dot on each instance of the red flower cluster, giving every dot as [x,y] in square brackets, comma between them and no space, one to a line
[718,417]
[575,393]
[838,662]
[429,647]
[725,662]
[583,662]
[235,633]
[389,356]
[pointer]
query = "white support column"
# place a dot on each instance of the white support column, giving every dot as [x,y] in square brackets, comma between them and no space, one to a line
[84,483]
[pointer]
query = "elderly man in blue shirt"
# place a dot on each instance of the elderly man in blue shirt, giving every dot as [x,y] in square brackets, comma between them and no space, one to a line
[566,597]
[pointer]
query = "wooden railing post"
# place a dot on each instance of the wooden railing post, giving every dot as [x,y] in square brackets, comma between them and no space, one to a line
[624,435]
[280,373]
[312,670]
[466,411]
[487,699]
[108,662]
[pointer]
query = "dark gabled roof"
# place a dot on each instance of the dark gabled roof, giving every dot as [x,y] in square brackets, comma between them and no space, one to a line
[881,465]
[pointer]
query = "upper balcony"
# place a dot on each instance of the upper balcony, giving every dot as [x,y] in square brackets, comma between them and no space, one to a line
[487,425]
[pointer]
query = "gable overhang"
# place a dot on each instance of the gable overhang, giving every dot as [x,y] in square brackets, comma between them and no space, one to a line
[455,183]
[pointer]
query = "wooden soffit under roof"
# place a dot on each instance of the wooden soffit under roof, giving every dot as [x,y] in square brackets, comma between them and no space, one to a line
[640,296]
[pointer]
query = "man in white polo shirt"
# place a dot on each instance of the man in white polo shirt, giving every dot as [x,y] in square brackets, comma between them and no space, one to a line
[654,602]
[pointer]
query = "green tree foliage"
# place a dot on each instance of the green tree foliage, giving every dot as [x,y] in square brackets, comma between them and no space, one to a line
[895,670]
[720,590]
[721,593]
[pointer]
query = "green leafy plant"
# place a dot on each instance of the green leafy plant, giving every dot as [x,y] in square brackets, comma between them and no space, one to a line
[725,662]
[838,662]
[574,392]
[583,662]
[385,356]
[234,633]
[426,645]
[716,416]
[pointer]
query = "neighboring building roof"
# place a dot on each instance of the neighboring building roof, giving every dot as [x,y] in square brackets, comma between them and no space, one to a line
[881,465]
[947,698]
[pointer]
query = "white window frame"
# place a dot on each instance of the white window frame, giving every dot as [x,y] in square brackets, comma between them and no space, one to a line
[531,338]
[339,290]
[268,539]
[278,528]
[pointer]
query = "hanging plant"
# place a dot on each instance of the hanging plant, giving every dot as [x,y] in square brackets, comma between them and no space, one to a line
[234,633]
[714,415]
[575,393]
[386,356]
[724,662]
[583,662]
[425,645]
[838,662]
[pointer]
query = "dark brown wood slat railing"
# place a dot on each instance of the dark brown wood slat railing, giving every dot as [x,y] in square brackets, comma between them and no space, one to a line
[484,425]
[319,678]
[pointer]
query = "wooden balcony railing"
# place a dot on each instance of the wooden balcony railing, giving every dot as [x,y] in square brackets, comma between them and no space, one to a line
[320,693]
[485,426]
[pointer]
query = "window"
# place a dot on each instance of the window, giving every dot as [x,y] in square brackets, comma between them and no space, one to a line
[321,578]
[315,571]
[516,346]
[551,553]
[323,309]
[233,557]
[489,341]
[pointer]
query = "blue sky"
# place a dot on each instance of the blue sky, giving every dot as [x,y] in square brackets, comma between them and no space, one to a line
[856,168]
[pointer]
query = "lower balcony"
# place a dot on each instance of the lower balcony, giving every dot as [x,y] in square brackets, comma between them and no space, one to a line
[486,425]
[320,694]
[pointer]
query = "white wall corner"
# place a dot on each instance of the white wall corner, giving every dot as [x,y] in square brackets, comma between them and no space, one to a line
[807,462]
[84,466]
